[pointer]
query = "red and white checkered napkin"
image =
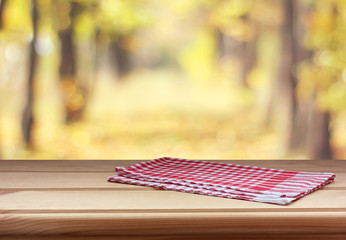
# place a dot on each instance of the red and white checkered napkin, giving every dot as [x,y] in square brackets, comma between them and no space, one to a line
[223,180]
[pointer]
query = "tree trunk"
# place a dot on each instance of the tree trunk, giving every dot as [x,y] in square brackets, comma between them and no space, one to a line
[248,55]
[74,95]
[67,57]
[100,49]
[288,82]
[319,136]
[221,45]
[301,54]
[2,8]
[244,52]
[28,116]
[248,60]
[122,58]
[292,53]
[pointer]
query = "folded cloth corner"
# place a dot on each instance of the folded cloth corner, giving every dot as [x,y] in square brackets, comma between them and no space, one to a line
[223,179]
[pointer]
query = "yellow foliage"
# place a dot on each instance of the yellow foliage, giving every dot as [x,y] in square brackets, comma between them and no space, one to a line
[192,107]
[199,57]
[123,17]
[17,16]
[323,77]
[85,25]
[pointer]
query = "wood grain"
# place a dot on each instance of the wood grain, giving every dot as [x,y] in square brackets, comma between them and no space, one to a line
[173,223]
[109,165]
[89,181]
[283,236]
[157,200]
[62,181]
[72,200]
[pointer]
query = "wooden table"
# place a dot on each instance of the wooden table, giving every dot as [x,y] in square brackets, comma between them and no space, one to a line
[73,200]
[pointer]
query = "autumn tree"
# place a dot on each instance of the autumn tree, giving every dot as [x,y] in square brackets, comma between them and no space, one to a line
[236,34]
[28,119]
[322,79]
[119,21]
[121,56]
[2,8]
[74,95]
[287,79]
[292,53]
[248,56]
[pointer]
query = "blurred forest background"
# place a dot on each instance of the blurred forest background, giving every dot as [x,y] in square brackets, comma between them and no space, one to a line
[200,79]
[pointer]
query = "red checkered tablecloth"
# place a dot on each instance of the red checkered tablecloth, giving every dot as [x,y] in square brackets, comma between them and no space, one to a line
[223,179]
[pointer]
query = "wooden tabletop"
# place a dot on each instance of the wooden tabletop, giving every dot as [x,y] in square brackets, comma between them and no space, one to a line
[73,200]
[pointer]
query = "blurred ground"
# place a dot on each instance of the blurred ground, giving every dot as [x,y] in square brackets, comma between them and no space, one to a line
[151,114]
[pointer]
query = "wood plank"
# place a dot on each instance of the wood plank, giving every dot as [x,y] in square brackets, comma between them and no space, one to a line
[109,165]
[174,224]
[156,201]
[285,236]
[89,181]
[70,199]
[61,181]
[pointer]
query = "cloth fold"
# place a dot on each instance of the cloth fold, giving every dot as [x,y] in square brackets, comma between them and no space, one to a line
[223,179]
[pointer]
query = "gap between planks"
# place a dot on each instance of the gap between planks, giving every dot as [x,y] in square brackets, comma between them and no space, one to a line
[109,165]
[163,211]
